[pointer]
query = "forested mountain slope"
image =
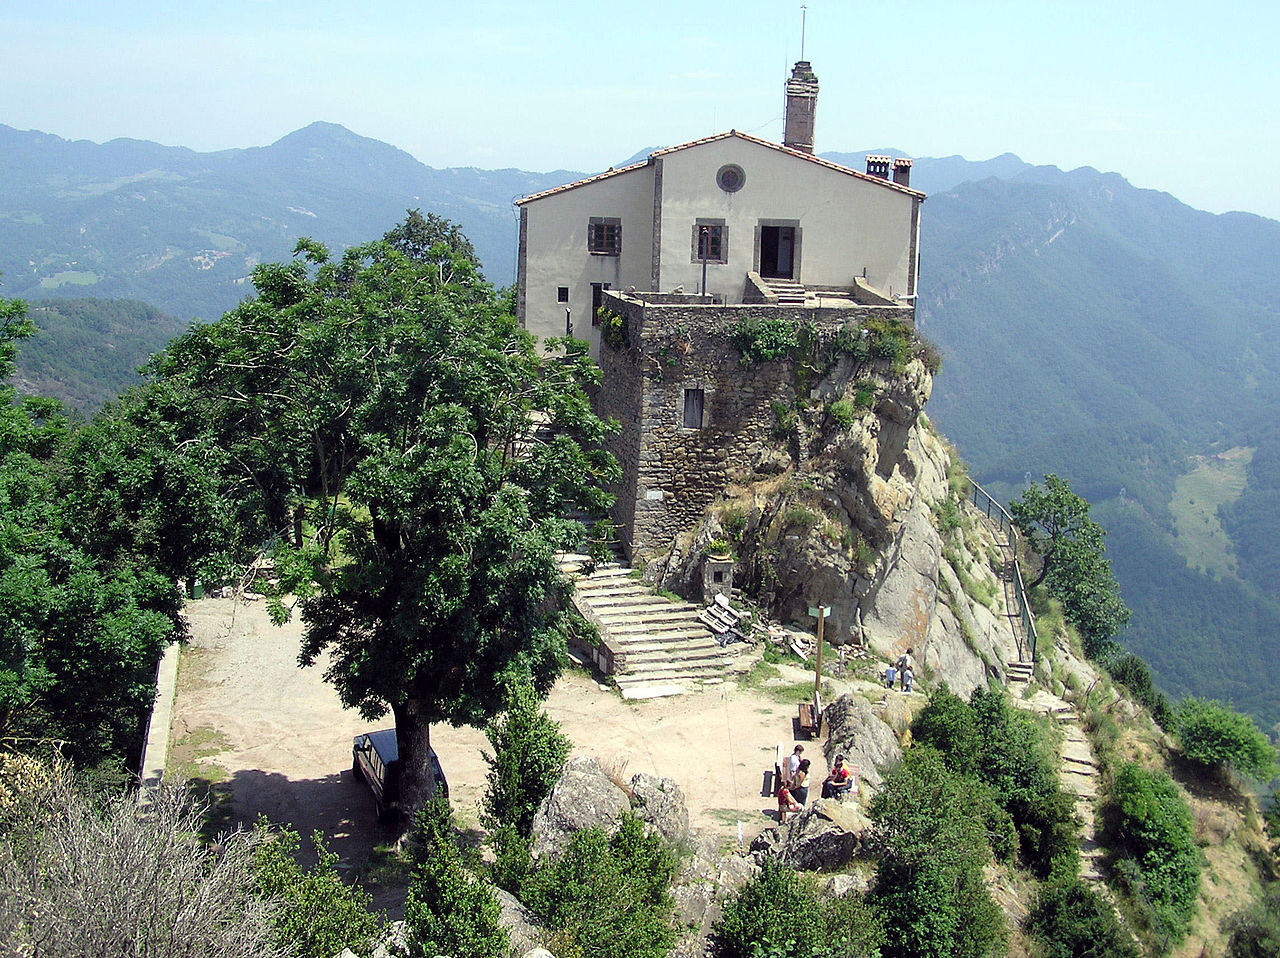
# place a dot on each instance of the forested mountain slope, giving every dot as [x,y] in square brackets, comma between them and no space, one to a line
[1127,341]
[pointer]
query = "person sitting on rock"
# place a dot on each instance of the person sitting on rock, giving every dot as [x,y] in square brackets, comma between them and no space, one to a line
[839,781]
[786,803]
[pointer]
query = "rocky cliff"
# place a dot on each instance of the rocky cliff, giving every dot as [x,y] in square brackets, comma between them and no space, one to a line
[858,504]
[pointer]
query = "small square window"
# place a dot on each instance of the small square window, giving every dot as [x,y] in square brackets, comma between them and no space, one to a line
[562,294]
[604,235]
[693,403]
[710,240]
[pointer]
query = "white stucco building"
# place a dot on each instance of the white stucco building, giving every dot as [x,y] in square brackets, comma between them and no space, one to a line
[762,222]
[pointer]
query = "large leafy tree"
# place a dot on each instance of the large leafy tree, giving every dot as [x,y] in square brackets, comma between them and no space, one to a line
[1073,566]
[412,454]
[94,528]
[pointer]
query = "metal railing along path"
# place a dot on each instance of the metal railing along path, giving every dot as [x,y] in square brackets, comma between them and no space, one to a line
[988,506]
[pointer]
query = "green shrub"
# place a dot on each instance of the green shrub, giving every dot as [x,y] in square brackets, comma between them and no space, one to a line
[1131,672]
[863,555]
[1215,737]
[1071,919]
[320,915]
[1005,750]
[613,329]
[843,414]
[1149,828]
[607,897]
[528,751]
[734,522]
[1254,931]
[449,910]
[948,514]
[764,340]
[929,885]
[717,547]
[799,517]
[864,394]
[779,914]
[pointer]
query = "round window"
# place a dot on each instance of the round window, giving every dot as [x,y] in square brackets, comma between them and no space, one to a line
[730,178]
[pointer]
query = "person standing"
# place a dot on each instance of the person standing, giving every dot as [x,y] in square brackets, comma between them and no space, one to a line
[905,662]
[800,784]
[793,765]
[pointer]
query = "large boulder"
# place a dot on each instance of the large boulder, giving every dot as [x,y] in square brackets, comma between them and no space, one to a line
[826,835]
[524,932]
[660,803]
[705,882]
[583,797]
[858,733]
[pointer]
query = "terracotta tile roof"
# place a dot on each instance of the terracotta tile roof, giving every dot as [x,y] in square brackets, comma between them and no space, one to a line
[807,157]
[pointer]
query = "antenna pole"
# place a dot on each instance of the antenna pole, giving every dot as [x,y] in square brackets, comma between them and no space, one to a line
[804,14]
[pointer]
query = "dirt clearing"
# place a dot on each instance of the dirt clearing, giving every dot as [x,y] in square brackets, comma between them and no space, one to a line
[273,738]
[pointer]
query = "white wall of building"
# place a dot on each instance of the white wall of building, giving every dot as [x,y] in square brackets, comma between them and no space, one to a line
[556,255]
[846,223]
[848,227]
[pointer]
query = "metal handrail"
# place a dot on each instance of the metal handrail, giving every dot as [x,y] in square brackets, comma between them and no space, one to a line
[984,502]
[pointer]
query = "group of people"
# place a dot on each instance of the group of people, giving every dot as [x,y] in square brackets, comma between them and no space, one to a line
[903,670]
[793,786]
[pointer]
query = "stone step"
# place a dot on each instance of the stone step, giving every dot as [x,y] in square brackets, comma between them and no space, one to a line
[643,615]
[645,640]
[685,657]
[668,674]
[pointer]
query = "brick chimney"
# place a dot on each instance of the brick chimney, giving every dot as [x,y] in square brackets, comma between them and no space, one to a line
[878,166]
[902,171]
[802,102]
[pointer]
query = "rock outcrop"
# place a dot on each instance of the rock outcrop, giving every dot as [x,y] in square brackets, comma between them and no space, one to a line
[857,733]
[583,797]
[854,521]
[660,803]
[826,835]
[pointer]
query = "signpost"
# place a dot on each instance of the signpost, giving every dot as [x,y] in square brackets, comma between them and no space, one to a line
[820,613]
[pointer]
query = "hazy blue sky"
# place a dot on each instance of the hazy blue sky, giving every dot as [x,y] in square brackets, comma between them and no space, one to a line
[1175,96]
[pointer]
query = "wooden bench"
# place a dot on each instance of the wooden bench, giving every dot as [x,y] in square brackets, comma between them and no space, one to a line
[809,719]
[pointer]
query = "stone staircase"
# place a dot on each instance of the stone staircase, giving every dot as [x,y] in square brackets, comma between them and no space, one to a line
[659,646]
[789,292]
[1077,770]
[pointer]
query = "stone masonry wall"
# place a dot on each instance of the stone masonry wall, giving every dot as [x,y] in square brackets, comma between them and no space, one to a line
[671,472]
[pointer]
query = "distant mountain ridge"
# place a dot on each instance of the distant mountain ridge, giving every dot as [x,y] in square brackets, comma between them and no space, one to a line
[1110,334]
[181,229]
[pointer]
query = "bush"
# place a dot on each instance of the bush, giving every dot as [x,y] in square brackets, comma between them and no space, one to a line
[1149,828]
[449,910]
[764,340]
[1071,919]
[1215,737]
[104,879]
[1131,672]
[607,897]
[1254,931]
[320,915]
[1006,751]
[528,752]
[929,886]
[843,414]
[779,914]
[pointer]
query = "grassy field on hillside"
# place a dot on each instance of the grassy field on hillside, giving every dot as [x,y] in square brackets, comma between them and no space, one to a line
[1212,482]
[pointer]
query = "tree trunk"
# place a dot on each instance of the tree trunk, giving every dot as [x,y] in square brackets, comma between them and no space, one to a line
[413,740]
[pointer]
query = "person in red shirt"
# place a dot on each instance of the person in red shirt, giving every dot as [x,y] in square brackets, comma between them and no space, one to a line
[839,781]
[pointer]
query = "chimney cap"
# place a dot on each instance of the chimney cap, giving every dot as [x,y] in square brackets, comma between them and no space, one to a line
[902,161]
